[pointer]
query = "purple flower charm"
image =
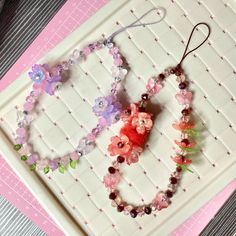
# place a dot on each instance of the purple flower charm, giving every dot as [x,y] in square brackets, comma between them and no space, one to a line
[108,109]
[45,79]
[39,73]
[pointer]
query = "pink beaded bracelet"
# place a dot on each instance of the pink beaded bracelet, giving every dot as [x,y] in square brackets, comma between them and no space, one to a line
[49,80]
[128,145]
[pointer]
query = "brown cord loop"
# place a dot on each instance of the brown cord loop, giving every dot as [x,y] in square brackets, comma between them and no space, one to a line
[178,67]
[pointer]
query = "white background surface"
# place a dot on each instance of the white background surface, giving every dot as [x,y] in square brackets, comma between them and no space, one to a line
[148,51]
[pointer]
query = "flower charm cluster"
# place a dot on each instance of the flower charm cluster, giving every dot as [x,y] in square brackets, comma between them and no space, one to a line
[108,110]
[132,135]
[45,80]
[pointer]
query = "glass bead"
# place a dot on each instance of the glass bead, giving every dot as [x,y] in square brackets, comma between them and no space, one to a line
[76,54]
[23,157]
[17,147]
[169,193]
[148,210]
[120,208]
[112,196]
[111,170]
[65,65]
[120,159]
[133,213]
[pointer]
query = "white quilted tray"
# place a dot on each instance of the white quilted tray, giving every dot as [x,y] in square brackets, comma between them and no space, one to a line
[77,200]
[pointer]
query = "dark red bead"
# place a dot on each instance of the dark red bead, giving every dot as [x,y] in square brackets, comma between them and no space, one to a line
[182,85]
[120,145]
[120,159]
[144,96]
[169,194]
[120,208]
[161,76]
[185,141]
[128,111]
[172,71]
[133,213]
[112,196]
[112,170]
[148,210]
[141,109]
[173,180]
[186,112]
[178,169]
[178,70]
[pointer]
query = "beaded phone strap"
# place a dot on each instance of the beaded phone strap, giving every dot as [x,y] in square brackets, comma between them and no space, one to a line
[48,80]
[137,125]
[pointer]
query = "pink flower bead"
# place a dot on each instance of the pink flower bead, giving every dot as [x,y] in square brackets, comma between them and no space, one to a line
[119,145]
[160,201]
[74,156]
[28,106]
[20,140]
[153,86]
[142,122]
[184,97]
[112,180]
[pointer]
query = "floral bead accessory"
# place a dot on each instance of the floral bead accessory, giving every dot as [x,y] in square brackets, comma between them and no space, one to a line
[49,80]
[137,124]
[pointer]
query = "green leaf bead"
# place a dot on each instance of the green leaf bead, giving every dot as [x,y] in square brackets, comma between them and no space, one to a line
[46,170]
[17,147]
[187,149]
[73,164]
[33,167]
[61,169]
[184,168]
[191,132]
[23,157]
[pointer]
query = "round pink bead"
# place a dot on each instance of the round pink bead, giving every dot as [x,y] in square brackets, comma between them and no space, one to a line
[91,137]
[28,106]
[86,51]
[21,132]
[118,62]
[74,156]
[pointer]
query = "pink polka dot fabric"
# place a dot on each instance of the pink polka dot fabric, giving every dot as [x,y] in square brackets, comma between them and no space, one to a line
[69,17]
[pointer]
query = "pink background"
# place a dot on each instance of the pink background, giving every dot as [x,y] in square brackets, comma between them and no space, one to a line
[69,17]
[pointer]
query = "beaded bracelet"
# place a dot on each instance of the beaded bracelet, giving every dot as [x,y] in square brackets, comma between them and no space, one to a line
[137,125]
[49,80]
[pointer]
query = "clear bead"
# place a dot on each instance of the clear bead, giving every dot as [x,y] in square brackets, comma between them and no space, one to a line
[114,204]
[71,61]
[76,54]
[65,65]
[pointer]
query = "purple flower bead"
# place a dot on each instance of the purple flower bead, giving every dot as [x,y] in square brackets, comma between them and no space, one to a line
[45,79]
[32,159]
[39,73]
[53,165]
[107,109]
